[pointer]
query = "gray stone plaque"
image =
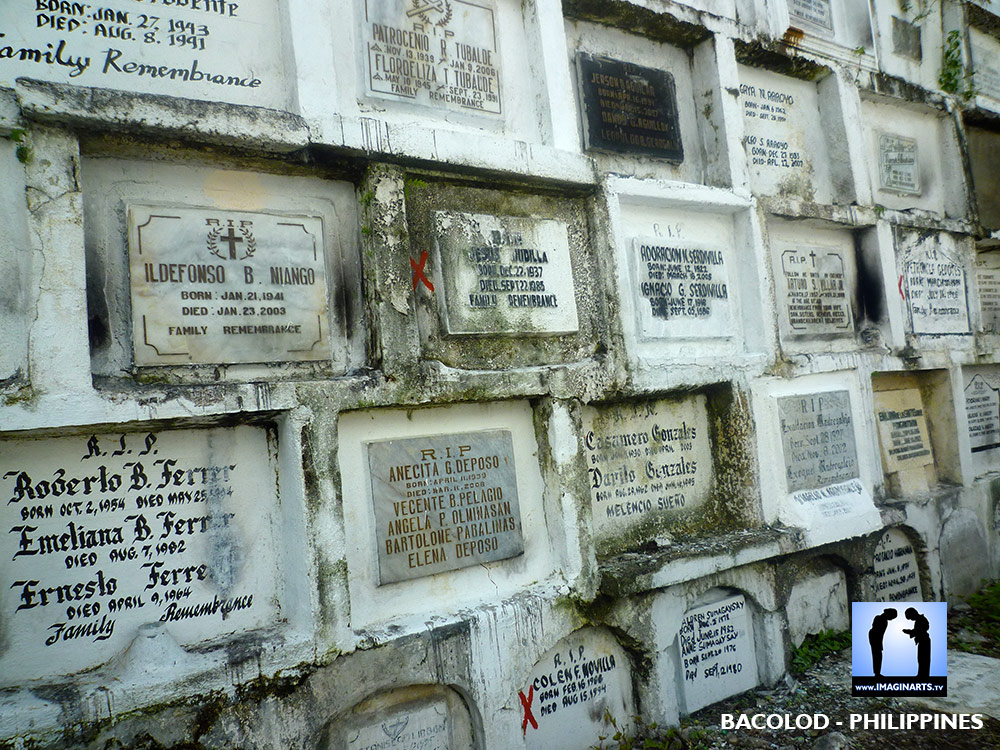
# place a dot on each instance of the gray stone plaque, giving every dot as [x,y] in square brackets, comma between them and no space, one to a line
[982,410]
[935,292]
[421,728]
[683,289]
[717,652]
[647,460]
[898,168]
[211,286]
[897,578]
[439,53]
[444,502]
[988,282]
[906,39]
[504,274]
[817,292]
[817,437]
[816,12]
[985,63]
[105,533]
[214,50]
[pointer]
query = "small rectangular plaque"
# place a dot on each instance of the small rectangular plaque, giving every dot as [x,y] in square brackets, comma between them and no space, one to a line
[817,437]
[816,291]
[816,12]
[211,286]
[439,53]
[902,430]
[982,411]
[935,292]
[899,169]
[683,289]
[906,39]
[104,533]
[505,275]
[629,108]
[444,502]
[988,282]
[985,63]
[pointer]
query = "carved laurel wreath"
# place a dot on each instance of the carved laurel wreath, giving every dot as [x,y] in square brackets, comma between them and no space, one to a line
[447,14]
[251,246]
[213,243]
[423,7]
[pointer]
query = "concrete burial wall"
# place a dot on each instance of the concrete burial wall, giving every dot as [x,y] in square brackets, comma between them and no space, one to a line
[452,374]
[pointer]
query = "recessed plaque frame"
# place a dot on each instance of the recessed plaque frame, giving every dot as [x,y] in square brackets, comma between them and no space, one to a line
[505,275]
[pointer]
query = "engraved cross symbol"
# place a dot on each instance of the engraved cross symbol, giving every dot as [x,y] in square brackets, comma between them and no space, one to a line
[526,702]
[437,5]
[232,239]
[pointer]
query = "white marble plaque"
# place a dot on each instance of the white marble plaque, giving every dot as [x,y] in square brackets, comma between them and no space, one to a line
[902,430]
[212,286]
[817,436]
[935,291]
[717,652]
[988,283]
[982,411]
[424,727]
[439,53]
[897,577]
[505,275]
[570,690]
[646,461]
[985,63]
[898,168]
[815,12]
[814,284]
[104,533]
[215,50]
[682,289]
[444,502]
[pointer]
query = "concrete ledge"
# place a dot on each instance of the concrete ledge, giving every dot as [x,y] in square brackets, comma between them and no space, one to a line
[10,114]
[636,572]
[150,114]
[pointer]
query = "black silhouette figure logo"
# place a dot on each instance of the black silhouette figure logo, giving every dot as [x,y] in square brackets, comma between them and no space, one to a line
[920,633]
[890,671]
[876,637]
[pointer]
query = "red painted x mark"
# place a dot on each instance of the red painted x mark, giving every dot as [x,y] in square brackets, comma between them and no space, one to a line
[526,704]
[418,271]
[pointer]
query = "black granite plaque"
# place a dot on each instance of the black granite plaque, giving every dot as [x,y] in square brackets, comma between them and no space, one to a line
[629,109]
